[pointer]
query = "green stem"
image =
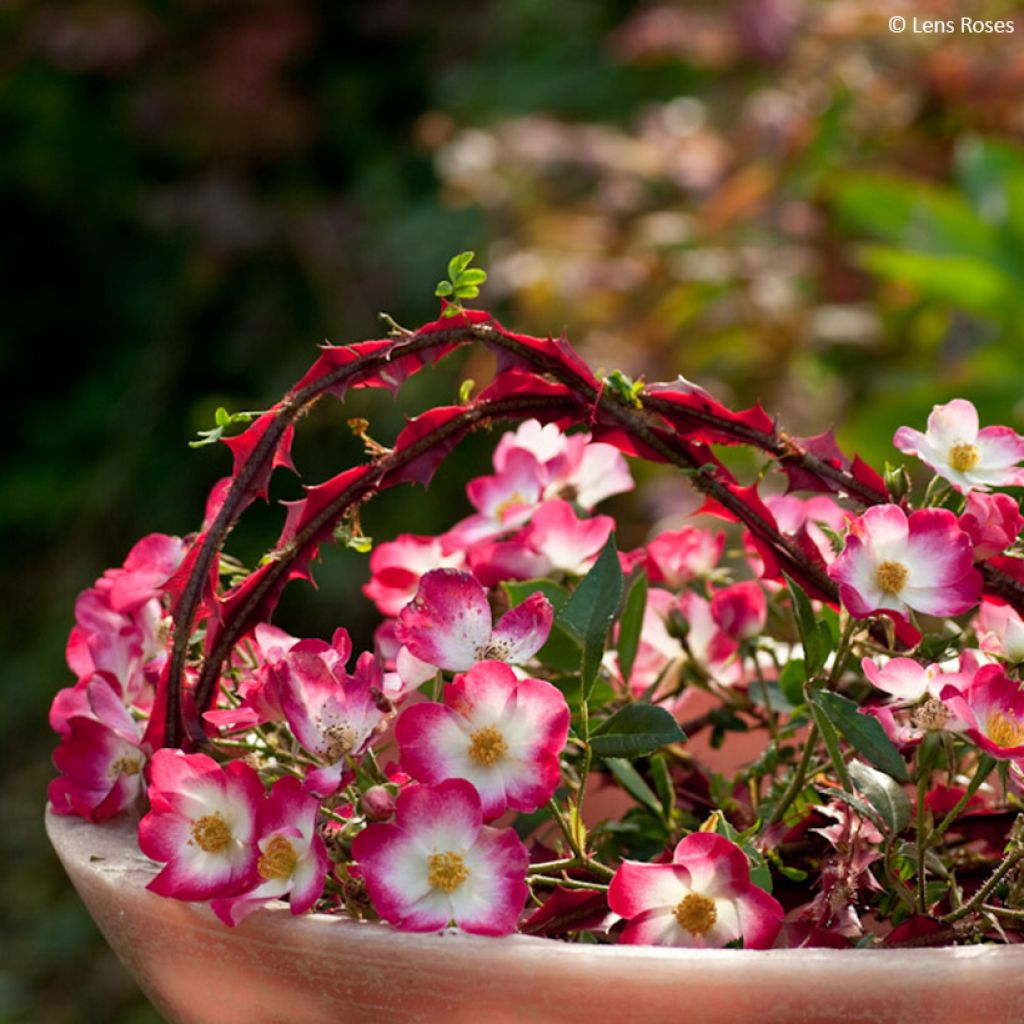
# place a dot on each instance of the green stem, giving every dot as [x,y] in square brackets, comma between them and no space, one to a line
[796,783]
[981,773]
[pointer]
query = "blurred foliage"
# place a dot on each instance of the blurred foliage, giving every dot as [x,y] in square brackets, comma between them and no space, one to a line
[778,198]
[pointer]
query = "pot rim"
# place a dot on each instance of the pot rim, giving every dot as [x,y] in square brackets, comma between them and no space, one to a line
[108,851]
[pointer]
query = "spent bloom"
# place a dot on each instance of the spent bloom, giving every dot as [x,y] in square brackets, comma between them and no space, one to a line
[438,864]
[959,452]
[703,899]
[897,563]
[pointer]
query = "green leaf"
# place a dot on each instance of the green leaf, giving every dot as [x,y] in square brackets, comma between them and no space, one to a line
[884,794]
[633,783]
[518,591]
[444,289]
[862,807]
[631,624]
[560,651]
[472,276]
[791,681]
[831,740]
[662,779]
[457,264]
[466,291]
[591,608]
[634,731]
[863,733]
[815,635]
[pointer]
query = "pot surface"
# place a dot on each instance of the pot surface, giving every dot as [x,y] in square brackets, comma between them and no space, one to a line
[318,969]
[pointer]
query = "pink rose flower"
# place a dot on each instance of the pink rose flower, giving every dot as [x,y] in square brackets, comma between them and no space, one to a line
[959,452]
[396,567]
[502,734]
[333,714]
[448,624]
[572,466]
[992,521]
[675,558]
[897,564]
[438,864]
[704,899]
[202,825]
[740,610]
[992,708]
[100,757]
[292,858]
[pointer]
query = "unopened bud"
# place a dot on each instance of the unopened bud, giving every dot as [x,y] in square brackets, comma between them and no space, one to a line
[378,803]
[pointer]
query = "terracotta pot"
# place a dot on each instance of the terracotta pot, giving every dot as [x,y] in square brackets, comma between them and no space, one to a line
[275,968]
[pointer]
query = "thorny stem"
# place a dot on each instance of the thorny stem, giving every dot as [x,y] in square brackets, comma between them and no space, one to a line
[1013,857]
[358,490]
[645,423]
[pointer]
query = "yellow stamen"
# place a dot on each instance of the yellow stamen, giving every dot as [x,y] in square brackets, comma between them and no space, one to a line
[124,766]
[963,457]
[278,860]
[515,498]
[891,577]
[446,871]
[696,914]
[211,833]
[487,746]
[1005,729]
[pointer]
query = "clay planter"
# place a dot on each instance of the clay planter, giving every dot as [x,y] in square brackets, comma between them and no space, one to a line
[317,969]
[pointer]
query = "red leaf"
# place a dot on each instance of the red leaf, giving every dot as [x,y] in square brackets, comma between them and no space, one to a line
[569,910]
[247,449]
[694,413]
[421,467]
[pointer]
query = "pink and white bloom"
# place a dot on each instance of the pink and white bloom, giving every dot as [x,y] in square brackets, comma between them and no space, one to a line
[502,734]
[897,564]
[503,501]
[1000,631]
[992,521]
[333,714]
[704,899]
[708,644]
[992,707]
[438,864]
[676,557]
[449,624]
[100,757]
[573,467]
[202,825]
[292,858]
[906,679]
[396,567]
[962,454]
[556,541]
[740,610]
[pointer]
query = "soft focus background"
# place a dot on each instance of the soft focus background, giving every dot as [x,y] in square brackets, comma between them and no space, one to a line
[780,199]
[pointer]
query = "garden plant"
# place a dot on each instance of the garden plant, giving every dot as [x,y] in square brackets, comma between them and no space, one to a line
[795,721]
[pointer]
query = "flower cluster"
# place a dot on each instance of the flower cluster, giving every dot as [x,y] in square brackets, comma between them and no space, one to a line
[550,730]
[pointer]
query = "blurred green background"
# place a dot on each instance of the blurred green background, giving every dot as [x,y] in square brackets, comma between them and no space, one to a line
[780,199]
